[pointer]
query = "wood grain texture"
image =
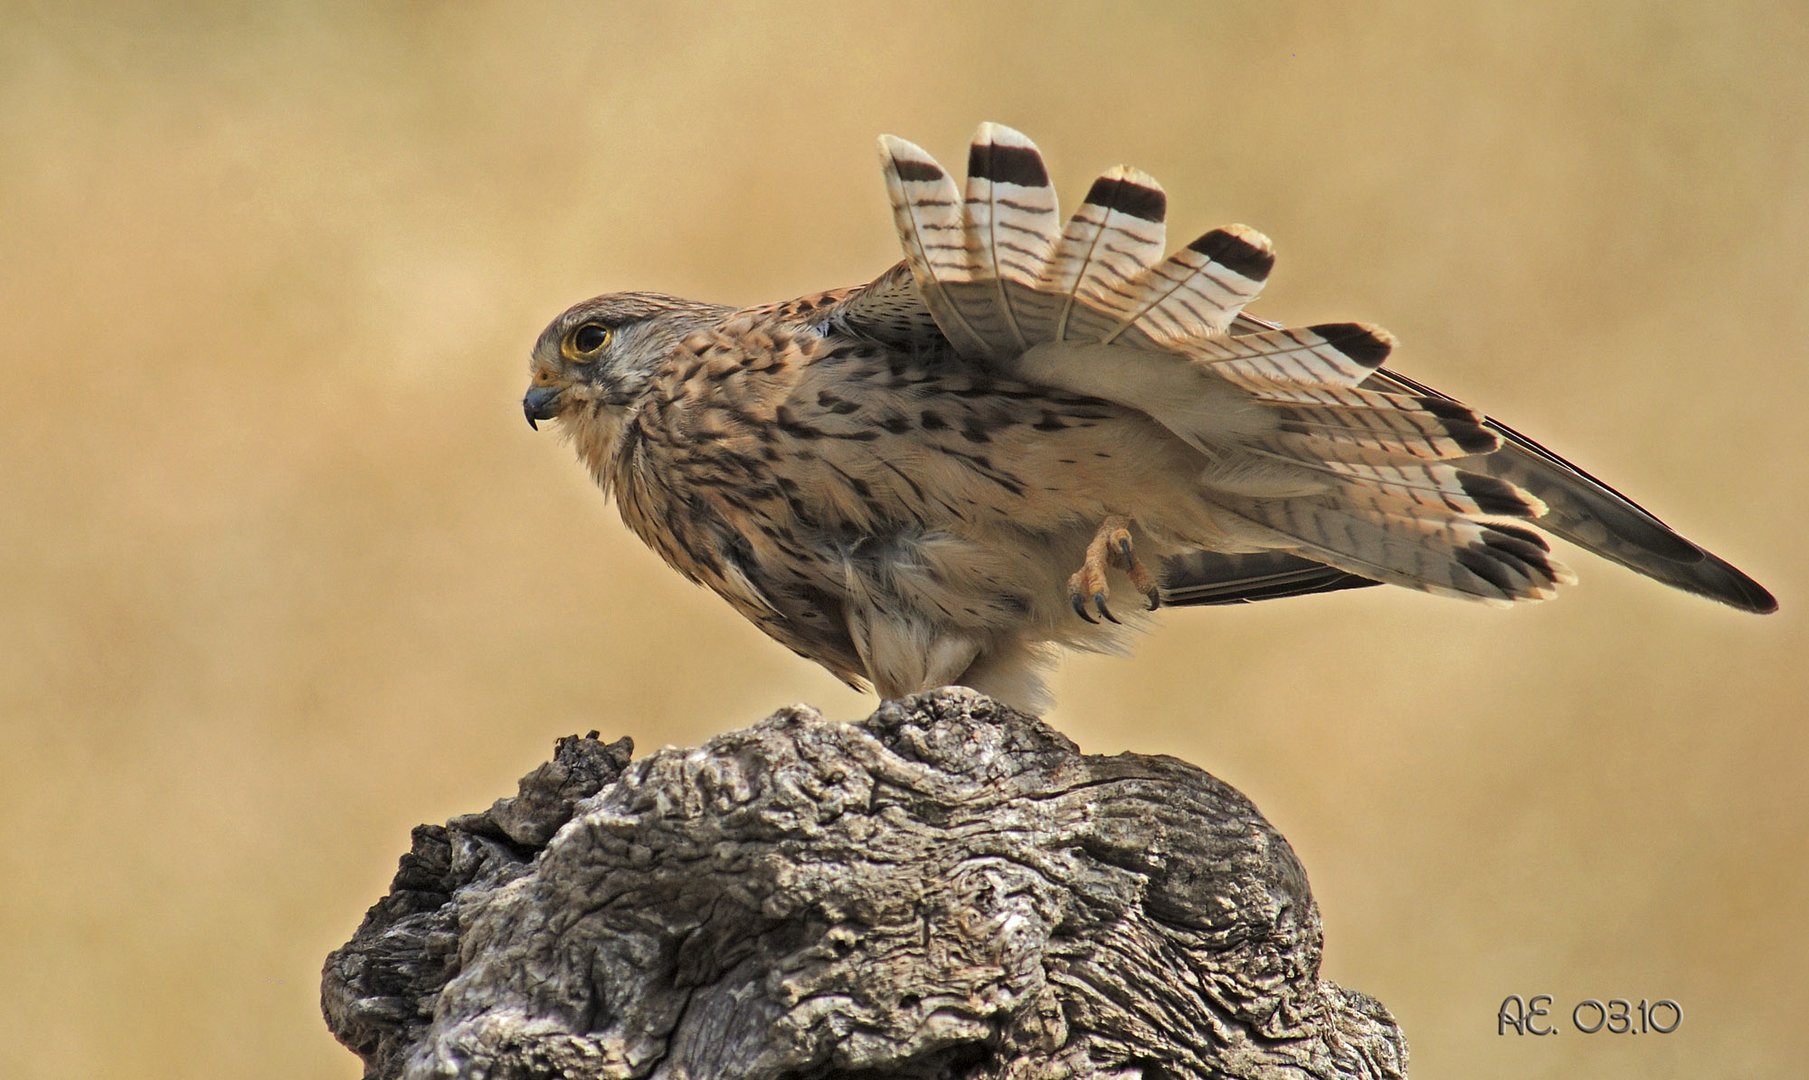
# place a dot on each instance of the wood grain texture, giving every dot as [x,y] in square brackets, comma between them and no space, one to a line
[946,889]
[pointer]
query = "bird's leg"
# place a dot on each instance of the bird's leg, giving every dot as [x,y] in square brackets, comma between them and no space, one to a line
[1110,546]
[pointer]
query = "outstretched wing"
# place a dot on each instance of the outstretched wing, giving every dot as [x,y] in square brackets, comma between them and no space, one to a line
[1294,457]
[1316,457]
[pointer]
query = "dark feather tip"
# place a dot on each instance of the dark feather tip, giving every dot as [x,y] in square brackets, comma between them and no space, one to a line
[1129,197]
[1020,165]
[1236,254]
[1493,496]
[1364,344]
[917,170]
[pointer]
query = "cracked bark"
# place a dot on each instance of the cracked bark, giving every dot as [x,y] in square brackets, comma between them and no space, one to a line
[945,890]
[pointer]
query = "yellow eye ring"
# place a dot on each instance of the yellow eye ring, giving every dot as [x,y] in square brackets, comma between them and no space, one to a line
[584,343]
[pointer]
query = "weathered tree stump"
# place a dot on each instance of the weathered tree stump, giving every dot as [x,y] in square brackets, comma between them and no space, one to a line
[948,889]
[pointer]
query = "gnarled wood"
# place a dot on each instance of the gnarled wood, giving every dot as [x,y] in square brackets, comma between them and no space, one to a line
[947,889]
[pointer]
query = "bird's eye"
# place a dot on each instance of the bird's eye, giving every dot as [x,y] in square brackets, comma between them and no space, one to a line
[587,341]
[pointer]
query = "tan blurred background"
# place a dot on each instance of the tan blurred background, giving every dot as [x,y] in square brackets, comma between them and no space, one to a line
[284,572]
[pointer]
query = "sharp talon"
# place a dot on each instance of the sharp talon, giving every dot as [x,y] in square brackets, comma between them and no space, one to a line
[1080,608]
[1099,602]
[1124,549]
[1155,601]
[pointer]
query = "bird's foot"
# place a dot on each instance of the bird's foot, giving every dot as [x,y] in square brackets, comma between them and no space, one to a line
[1110,546]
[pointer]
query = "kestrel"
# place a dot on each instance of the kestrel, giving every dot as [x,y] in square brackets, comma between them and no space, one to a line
[943,475]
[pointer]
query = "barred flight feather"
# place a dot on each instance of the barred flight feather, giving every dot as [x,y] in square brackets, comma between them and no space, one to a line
[1013,225]
[1117,234]
[927,210]
[1330,353]
[1417,429]
[1198,290]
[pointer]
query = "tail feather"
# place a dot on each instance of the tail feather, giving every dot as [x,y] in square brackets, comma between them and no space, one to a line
[1019,277]
[1199,289]
[927,210]
[1339,354]
[1013,226]
[1115,236]
[1417,427]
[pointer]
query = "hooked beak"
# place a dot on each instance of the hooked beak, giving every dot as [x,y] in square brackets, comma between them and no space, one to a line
[541,403]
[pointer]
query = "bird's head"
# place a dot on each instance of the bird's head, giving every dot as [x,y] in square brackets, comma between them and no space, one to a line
[598,356]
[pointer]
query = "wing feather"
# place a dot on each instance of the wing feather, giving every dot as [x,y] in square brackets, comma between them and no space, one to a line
[1319,455]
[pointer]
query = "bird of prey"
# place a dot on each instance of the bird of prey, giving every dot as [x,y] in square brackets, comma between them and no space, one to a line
[948,473]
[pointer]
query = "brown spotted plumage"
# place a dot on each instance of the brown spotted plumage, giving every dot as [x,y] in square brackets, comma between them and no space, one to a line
[942,475]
